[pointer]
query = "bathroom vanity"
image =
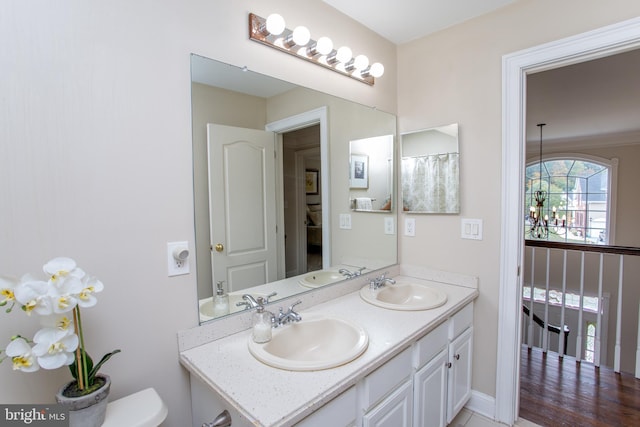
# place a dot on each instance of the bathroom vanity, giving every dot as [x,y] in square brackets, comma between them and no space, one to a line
[416,370]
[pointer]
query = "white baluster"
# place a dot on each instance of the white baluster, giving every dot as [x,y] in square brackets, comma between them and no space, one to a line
[545,336]
[579,349]
[564,291]
[616,362]
[638,347]
[531,322]
[596,358]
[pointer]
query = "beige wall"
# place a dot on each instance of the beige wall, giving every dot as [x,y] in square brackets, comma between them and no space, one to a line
[96,156]
[455,76]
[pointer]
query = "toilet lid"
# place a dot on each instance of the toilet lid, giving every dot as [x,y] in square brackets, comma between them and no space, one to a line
[142,409]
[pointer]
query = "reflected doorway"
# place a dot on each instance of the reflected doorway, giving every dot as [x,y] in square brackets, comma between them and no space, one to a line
[302,169]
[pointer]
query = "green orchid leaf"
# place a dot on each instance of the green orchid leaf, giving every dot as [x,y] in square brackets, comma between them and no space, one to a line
[74,366]
[96,368]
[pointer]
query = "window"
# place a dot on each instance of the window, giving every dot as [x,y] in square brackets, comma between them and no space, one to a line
[571,301]
[577,205]
[590,346]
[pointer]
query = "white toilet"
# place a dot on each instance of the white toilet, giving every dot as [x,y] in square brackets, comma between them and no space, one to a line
[142,409]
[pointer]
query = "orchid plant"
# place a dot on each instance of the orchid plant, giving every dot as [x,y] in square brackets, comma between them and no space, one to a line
[60,342]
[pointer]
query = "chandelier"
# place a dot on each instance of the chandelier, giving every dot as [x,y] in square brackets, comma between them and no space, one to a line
[538,221]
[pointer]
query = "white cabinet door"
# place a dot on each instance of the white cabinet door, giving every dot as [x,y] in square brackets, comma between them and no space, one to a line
[341,411]
[430,392]
[459,382]
[394,411]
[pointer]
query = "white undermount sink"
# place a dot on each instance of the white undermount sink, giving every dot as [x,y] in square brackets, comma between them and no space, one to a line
[405,296]
[320,278]
[316,342]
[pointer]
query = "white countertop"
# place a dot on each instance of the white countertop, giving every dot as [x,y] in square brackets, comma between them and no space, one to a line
[268,396]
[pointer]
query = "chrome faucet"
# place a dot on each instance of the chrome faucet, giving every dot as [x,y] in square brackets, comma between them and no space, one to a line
[250,302]
[290,316]
[351,274]
[380,281]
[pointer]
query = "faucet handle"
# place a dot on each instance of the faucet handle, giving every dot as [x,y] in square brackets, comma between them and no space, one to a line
[294,304]
[272,294]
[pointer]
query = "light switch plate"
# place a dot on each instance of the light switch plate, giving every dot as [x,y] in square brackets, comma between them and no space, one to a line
[471,228]
[345,221]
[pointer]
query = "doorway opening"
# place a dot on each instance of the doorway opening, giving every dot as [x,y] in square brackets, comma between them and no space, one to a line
[594,44]
[301,171]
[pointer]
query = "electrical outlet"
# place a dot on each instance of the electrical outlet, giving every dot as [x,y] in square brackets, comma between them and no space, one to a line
[410,227]
[388,225]
[177,258]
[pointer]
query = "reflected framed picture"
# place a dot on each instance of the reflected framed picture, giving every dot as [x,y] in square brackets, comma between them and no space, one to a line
[311,181]
[359,171]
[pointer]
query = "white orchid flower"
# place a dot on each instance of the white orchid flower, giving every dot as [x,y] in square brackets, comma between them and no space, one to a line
[21,355]
[59,321]
[90,286]
[33,295]
[60,268]
[54,347]
[63,293]
[7,285]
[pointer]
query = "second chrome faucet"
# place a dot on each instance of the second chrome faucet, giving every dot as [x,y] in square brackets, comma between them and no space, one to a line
[380,281]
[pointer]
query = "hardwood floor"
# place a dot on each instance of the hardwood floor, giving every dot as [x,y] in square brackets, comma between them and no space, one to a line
[561,392]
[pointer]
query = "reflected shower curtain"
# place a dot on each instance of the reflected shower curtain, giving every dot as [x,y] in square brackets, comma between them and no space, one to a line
[430,183]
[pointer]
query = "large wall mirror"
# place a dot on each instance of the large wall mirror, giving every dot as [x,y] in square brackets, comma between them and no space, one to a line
[271,178]
[430,171]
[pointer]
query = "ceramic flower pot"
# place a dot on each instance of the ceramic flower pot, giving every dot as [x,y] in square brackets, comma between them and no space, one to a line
[88,410]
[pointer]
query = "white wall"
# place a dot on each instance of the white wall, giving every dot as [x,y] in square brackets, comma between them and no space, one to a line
[464,85]
[95,142]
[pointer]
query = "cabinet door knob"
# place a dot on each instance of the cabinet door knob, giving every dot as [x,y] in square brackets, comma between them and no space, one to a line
[448,365]
[219,247]
[457,356]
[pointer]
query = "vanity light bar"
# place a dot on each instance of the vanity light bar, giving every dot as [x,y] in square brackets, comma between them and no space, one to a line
[273,32]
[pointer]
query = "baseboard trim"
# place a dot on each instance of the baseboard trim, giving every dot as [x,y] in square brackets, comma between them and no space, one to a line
[482,404]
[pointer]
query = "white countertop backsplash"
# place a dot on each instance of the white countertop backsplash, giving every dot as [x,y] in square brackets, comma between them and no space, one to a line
[222,360]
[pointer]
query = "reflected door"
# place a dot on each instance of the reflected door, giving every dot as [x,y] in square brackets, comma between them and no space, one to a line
[242,206]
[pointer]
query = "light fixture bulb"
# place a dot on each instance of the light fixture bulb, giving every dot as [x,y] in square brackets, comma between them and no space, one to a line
[376,70]
[360,62]
[301,35]
[324,45]
[344,55]
[275,24]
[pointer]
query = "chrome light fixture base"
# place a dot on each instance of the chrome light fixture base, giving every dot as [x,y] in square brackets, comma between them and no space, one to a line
[283,42]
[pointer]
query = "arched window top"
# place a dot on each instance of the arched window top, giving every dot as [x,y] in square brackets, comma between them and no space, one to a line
[577,201]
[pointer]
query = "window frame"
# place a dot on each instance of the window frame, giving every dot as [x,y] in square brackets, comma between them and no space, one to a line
[612,185]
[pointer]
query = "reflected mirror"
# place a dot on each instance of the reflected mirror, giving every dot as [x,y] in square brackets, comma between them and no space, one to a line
[371,174]
[264,222]
[430,170]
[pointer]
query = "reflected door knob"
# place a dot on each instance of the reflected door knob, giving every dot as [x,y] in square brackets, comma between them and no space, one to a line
[219,247]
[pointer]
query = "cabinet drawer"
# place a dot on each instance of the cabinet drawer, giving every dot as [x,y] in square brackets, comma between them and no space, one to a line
[395,411]
[431,344]
[461,321]
[386,378]
[341,411]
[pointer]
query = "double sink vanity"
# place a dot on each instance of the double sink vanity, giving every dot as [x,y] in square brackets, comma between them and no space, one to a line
[399,354]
